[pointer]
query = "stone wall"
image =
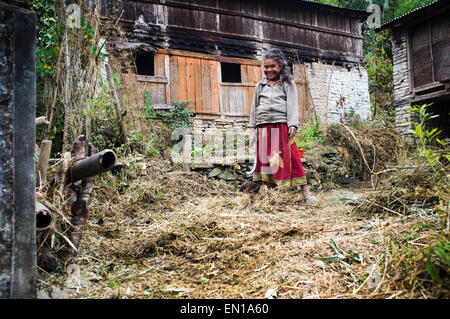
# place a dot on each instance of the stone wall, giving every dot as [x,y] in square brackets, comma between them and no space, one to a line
[224,137]
[339,93]
[403,116]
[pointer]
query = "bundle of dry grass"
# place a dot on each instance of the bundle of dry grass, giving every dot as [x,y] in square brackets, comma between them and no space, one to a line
[406,189]
[366,150]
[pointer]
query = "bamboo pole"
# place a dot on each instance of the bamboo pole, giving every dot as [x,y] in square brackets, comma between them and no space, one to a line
[120,115]
[42,167]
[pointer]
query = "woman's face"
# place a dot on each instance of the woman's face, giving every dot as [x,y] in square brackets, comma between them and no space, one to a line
[272,69]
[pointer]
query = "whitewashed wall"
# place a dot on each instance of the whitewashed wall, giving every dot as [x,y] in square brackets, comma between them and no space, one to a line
[339,93]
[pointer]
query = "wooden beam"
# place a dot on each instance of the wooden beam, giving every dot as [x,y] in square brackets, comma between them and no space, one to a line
[152,79]
[428,87]
[434,95]
[190,54]
[430,38]
[410,62]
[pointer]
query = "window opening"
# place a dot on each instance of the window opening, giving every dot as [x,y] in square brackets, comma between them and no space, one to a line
[145,63]
[231,72]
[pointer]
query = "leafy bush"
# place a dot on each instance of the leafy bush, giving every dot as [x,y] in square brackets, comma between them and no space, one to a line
[179,116]
[309,134]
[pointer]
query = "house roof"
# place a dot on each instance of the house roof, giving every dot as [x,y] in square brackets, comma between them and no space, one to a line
[433,8]
[318,5]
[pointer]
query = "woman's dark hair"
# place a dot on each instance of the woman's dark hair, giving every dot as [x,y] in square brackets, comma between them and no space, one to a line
[278,56]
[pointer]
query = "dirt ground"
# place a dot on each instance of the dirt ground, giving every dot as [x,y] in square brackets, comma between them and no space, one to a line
[171,234]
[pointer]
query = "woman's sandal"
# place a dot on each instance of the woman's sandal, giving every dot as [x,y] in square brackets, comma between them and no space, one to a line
[310,199]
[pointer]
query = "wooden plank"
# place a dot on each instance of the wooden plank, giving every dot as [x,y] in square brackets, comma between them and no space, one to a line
[167,73]
[206,85]
[254,74]
[244,73]
[232,96]
[182,81]
[246,103]
[204,56]
[214,87]
[152,79]
[251,91]
[173,64]
[225,102]
[158,94]
[239,100]
[190,78]
[198,85]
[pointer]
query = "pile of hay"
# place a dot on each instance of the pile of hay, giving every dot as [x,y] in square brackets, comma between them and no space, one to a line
[366,150]
[411,188]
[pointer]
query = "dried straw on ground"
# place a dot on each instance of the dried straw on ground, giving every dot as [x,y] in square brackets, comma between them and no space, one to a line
[172,234]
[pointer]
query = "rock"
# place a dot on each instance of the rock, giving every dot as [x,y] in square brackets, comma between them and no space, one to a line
[228,176]
[42,294]
[347,198]
[77,278]
[58,293]
[215,172]
[271,293]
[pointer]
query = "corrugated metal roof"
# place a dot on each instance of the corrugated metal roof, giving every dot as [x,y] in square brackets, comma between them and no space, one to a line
[414,13]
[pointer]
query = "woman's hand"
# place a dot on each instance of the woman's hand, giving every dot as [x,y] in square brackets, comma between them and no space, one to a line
[292,131]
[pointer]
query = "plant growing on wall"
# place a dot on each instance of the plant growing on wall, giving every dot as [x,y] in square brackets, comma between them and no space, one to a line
[179,116]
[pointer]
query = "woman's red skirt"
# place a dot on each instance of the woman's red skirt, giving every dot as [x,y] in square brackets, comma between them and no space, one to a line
[277,161]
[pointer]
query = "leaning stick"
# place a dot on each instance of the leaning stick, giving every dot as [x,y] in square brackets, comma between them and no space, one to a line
[44,154]
[123,130]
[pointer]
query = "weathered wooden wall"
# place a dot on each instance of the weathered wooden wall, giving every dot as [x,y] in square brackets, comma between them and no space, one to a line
[239,27]
[192,38]
[187,76]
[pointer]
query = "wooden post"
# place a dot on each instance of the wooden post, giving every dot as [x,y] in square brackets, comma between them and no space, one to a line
[17,140]
[44,155]
[187,146]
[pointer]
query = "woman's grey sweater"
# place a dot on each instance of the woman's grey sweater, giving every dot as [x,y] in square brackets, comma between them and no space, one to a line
[274,104]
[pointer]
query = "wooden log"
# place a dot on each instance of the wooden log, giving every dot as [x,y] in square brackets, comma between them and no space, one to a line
[41,120]
[120,115]
[44,154]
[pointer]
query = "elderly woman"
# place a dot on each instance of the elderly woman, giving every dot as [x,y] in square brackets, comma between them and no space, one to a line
[274,120]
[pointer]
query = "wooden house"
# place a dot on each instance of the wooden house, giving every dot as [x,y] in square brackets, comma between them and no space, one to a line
[421,46]
[209,52]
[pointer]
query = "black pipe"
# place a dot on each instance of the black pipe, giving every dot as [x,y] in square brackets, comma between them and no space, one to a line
[96,164]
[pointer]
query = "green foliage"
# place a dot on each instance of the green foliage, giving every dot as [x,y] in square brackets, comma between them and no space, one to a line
[438,260]
[138,145]
[49,33]
[100,113]
[309,134]
[427,139]
[150,112]
[380,74]
[344,255]
[179,116]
